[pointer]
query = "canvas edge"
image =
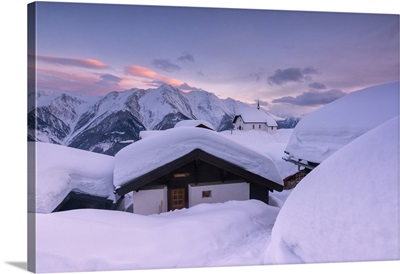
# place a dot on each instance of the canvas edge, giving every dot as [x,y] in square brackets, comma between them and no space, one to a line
[31,150]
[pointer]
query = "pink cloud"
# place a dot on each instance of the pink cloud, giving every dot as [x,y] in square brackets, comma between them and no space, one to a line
[96,84]
[73,62]
[75,78]
[141,71]
[150,74]
[128,83]
[69,76]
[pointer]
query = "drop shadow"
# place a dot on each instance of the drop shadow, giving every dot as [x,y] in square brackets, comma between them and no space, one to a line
[21,265]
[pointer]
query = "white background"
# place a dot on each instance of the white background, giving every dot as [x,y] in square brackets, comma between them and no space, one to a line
[13,67]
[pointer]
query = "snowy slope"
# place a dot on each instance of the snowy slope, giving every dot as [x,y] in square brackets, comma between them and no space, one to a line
[103,108]
[158,103]
[60,169]
[55,115]
[324,131]
[205,103]
[346,209]
[225,234]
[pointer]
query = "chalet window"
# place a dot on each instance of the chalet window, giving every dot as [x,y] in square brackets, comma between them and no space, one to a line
[259,126]
[206,194]
[253,126]
[181,175]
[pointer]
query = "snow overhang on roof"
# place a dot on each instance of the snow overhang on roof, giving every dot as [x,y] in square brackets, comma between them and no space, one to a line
[61,169]
[158,150]
[324,131]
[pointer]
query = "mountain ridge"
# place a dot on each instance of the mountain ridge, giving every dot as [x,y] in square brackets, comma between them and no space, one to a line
[108,123]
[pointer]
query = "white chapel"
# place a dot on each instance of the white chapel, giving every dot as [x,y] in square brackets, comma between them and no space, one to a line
[255,119]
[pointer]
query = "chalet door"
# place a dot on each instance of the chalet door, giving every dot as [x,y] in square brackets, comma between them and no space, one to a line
[176,198]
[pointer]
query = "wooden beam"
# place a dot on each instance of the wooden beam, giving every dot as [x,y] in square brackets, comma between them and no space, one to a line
[300,164]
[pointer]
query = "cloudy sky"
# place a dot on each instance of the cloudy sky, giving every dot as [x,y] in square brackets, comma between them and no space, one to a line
[292,61]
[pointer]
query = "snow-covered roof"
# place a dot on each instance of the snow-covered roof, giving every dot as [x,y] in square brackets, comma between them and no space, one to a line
[347,208]
[254,115]
[61,169]
[324,131]
[194,123]
[157,150]
[272,145]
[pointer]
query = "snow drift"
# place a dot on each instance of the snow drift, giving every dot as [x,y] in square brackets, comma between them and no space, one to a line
[225,234]
[324,131]
[347,208]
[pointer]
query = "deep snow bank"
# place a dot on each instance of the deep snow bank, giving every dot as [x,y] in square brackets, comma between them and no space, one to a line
[224,234]
[346,209]
[60,169]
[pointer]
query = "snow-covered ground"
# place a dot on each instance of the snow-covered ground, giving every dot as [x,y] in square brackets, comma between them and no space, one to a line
[225,234]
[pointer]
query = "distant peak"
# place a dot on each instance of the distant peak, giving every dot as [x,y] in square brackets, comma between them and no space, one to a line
[45,93]
[165,86]
[186,87]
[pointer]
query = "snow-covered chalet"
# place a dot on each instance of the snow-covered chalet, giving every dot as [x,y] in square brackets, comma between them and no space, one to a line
[186,166]
[255,119]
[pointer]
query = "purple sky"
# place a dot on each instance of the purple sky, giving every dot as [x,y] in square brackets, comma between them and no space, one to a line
[292,61]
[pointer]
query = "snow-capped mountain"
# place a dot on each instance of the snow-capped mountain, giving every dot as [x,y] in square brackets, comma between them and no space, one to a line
[107,124]
[53,116]
[289,122]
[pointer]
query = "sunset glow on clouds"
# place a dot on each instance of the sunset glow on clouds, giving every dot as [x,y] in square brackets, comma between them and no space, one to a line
[81,75]
[150,74]
[74,62]
[53,80]
[75,75]
[239,53]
